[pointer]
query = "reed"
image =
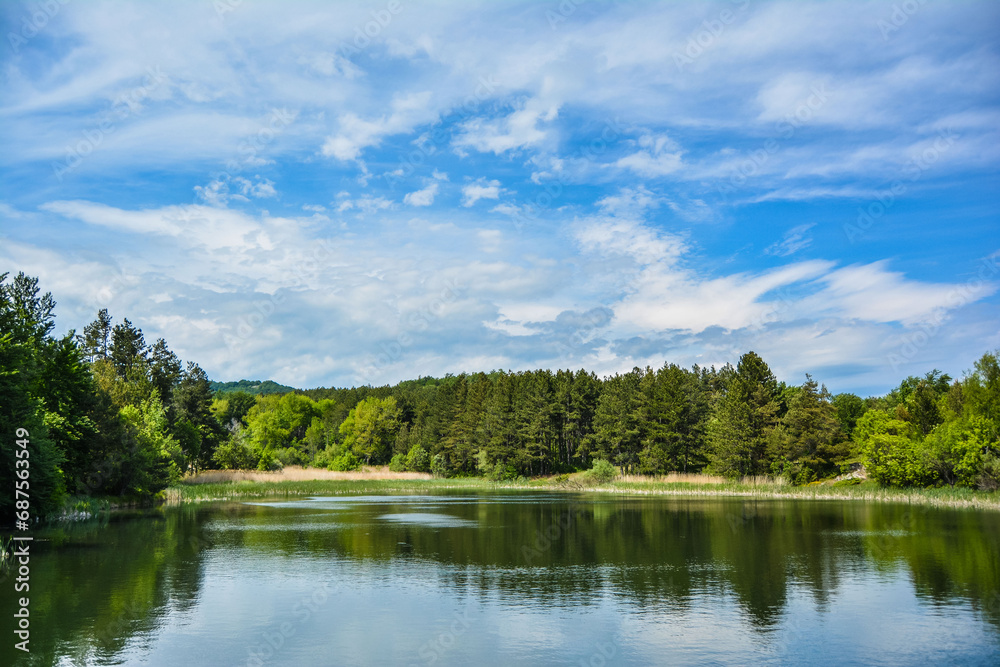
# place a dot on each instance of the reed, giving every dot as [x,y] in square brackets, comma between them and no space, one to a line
[226,486]
[299,474]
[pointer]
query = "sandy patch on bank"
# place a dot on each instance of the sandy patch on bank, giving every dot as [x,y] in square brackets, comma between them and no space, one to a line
[299,474]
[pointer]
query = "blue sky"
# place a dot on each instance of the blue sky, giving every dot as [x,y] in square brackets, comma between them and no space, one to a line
[348,193]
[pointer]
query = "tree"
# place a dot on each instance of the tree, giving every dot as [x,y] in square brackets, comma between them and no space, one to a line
[981,389]
[745,415]
[809,441]
[617,434]
[889,452]
[28,407]
[96,337]
[370,429]
[191,404]
[849,409]
[128,349]
[164,369]
[955,450]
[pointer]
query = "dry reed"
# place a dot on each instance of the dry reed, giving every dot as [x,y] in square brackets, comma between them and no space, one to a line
[298,474]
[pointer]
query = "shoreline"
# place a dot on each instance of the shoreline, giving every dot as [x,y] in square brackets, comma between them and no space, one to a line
[236,485]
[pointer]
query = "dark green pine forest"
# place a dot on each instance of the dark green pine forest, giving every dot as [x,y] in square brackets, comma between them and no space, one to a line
[111,415]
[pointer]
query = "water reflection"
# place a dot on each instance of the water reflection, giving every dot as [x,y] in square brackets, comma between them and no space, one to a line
[547,578]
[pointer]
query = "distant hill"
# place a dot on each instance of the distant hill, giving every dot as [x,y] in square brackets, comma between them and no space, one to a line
[251,387]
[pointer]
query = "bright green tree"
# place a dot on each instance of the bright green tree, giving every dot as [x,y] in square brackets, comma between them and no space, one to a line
[370,429]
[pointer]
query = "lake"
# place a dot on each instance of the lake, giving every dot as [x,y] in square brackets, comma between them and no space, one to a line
[517,578]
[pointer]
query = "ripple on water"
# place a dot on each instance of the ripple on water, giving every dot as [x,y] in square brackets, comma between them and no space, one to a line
[432,519]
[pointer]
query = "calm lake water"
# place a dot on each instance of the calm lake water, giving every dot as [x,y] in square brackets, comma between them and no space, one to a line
[517,579]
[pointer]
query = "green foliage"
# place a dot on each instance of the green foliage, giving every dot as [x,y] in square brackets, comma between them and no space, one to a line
[955,450]
[744,418]
[889,451]
[989,473]
[150,463]
[602,471]
[290,456]
[370,428]
[253,387]
[398,463]
[849,409]
[417,459]
[439,466]
[236,453]
[345,462]
[808,443]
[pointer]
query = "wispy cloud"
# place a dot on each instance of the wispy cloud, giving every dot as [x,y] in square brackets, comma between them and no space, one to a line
[499,191]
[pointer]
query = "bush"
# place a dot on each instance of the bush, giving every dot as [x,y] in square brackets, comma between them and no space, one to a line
[235,454]
[418,460]
[989,474]
[602,471]
[398,463]
[268,460]
[290,456]
[439,466]
[345,462]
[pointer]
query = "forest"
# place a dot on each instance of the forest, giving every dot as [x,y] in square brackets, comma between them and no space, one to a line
[113,416]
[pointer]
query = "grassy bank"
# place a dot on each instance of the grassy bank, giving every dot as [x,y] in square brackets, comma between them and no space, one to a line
[232,486]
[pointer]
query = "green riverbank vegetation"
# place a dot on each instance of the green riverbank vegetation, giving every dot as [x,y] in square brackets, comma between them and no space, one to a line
[112,417]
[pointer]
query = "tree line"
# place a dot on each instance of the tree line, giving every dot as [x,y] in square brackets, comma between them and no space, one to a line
[112,415]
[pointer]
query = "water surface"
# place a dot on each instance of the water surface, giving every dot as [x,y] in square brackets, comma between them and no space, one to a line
[518,578]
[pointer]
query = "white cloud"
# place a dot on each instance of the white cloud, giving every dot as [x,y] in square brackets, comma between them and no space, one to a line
[795,239]
[480,189]
[365,204]
[871,292]
[659,156]
[424,197]
[519,129]
[356,134]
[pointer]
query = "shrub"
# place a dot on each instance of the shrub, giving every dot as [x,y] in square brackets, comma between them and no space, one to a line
[602,471]
[418,460]
[290,456]
[268,460]
[398,463]
[235,454]
[989,474]
[345,462]
[439,466]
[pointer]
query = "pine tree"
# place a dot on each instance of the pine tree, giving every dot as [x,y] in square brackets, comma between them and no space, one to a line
[745,415]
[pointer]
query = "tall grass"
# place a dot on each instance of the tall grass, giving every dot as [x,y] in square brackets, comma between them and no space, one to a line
[298,474]
[231,487]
